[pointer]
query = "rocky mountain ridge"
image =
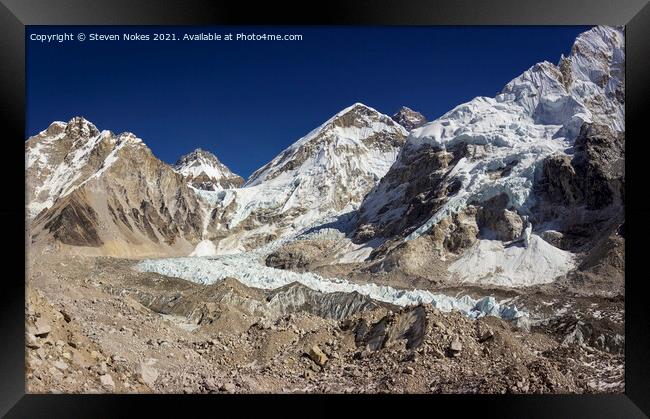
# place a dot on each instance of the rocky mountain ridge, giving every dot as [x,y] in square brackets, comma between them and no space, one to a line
[324,174]
[102,193]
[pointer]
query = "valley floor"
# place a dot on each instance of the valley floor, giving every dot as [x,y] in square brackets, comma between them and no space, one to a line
[98,325]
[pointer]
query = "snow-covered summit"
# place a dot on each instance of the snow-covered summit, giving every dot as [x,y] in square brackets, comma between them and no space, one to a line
[586,86]
[352,129]
[203,170]
[65,155]
[538,113]
[325,173]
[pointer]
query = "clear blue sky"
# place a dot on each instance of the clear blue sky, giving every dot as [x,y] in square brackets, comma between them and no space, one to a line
[247,101]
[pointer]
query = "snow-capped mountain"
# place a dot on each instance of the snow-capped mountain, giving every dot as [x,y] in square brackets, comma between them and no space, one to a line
[106,193]
[408,118]
[496,150]
[62,157]
[84,190]
[203,170]
[325,173]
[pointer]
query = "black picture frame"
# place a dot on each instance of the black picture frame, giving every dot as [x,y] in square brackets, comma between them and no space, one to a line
[15,15]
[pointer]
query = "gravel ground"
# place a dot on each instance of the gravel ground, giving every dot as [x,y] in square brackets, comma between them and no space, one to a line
[95,325]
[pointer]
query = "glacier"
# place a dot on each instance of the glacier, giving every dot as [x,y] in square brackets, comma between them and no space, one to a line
[247,268]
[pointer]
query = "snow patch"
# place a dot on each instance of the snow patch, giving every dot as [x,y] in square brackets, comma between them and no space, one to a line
[490,262]
[204,248]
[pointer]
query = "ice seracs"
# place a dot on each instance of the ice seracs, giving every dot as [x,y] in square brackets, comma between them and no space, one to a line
[537,114]
[247,269]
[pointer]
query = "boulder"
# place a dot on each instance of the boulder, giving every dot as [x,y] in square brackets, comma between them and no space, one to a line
[228,387]
[42,328]
[31,341]
[107,381]
[317,355]
[148,374]
[456,347]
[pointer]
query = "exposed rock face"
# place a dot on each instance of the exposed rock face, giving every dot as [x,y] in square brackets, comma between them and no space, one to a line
[296,297]
[96,190]
[324,174]
[76,223]
[305,254]
[288,258]
[583,197]
[456,232]
[415,187]
[594,176]
[408,118]
[498,222]
[583,194]
[603,267]
[203,170]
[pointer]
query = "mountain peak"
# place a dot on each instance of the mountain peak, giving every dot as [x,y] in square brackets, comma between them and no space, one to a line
[354,107]
[598,38]
[356,127]
[81,127]
[196,155]
[203,170]
[563,94]
[408,118]
[356,115]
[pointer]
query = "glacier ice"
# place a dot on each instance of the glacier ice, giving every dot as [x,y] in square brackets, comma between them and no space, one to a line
[247,268]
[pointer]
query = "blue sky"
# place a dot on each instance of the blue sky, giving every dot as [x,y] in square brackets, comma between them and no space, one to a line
[248,100]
